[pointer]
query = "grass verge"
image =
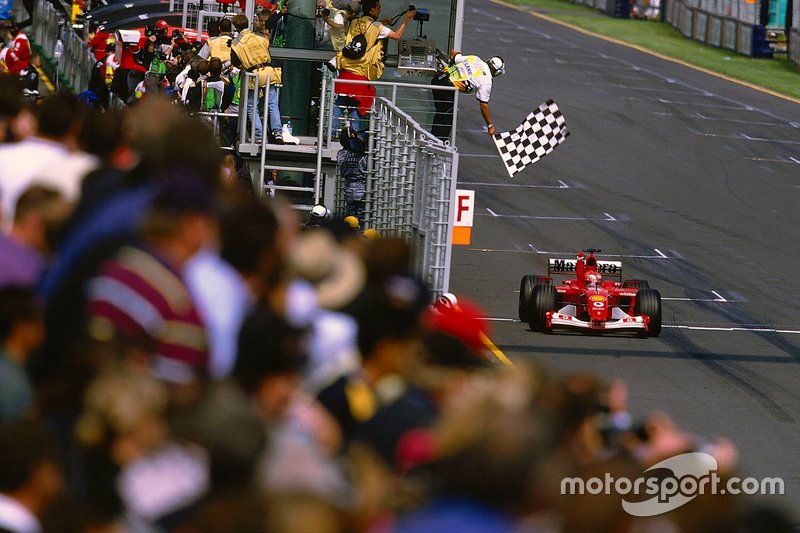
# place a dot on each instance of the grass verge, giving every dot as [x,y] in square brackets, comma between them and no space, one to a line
[778,74]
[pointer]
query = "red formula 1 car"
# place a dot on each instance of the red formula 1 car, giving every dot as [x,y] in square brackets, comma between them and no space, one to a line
[587,302]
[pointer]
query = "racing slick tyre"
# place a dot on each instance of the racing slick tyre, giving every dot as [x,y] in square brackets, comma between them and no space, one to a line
[648,302]
[625,304]
[525,292]
[543,300]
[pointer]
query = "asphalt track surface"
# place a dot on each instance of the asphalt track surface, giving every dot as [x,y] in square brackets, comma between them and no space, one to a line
[691,181]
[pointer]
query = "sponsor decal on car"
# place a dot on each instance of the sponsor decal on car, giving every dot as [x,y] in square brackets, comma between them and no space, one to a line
[596,298]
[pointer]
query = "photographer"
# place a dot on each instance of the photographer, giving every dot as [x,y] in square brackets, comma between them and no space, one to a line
[336,15]
[155,56]
[368,66]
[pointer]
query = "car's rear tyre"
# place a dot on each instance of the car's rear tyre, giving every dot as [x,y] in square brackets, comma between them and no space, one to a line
[648,302]
[543,300]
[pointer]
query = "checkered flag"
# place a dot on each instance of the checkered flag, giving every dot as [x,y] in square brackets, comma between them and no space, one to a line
[537,136]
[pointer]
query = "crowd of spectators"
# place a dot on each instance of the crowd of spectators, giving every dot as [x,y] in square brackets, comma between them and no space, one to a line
[178,355]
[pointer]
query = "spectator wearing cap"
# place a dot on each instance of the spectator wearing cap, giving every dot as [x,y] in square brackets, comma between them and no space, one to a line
[317,216]
[137,474]
[139,297]
[452,351]
[331,277]
[388,339]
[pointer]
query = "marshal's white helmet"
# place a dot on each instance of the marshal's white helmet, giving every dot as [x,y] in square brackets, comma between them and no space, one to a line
[496,65]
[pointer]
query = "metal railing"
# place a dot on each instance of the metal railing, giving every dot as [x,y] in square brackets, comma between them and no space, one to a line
[411,174]
[411,187]
[66,59]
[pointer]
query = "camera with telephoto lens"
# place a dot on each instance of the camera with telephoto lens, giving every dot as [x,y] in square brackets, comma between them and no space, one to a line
[323,11]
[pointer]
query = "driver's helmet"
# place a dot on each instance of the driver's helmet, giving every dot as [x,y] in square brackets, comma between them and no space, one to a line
[592,279]
[496,66]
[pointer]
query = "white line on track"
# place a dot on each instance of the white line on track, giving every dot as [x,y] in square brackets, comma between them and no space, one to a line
[791,160]
[724,329]
[491,212]
[561,185]
[715,106]
[704,117]
[659,254]
[607,218]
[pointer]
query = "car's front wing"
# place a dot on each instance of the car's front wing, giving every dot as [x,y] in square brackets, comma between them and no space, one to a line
[626,323]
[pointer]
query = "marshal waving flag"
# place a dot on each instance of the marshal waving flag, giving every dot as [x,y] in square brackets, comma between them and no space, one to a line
[538,135]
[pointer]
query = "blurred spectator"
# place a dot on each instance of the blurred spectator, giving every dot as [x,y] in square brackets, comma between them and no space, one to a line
[227,283]
[492,447]
[135,468]
[335,277]
[21,332]
[38,216]
[173,145]
[59,122]
[10,104]
[303,438]
[30,476]
[139,297]
[388,341]
[452,352]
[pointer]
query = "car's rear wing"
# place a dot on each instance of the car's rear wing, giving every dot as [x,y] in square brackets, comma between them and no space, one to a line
[567,266]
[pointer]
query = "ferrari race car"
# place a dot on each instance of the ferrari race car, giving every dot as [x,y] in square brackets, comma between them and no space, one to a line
[587,302]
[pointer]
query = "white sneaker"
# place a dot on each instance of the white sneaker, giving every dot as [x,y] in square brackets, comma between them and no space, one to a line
[288,138]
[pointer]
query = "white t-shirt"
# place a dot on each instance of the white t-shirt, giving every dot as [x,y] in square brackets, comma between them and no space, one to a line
[471,74]
[20,164]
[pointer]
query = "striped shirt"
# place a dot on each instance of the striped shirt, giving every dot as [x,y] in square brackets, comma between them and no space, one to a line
[139,298]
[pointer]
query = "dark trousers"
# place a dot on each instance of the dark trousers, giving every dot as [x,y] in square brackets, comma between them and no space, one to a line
[443,102]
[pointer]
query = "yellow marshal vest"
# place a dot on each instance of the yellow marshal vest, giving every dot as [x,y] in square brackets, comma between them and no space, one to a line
[218,47]
[370,65]
[253,49]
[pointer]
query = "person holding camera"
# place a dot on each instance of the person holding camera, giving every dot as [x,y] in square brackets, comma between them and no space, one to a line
[362,59]
[336,15]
